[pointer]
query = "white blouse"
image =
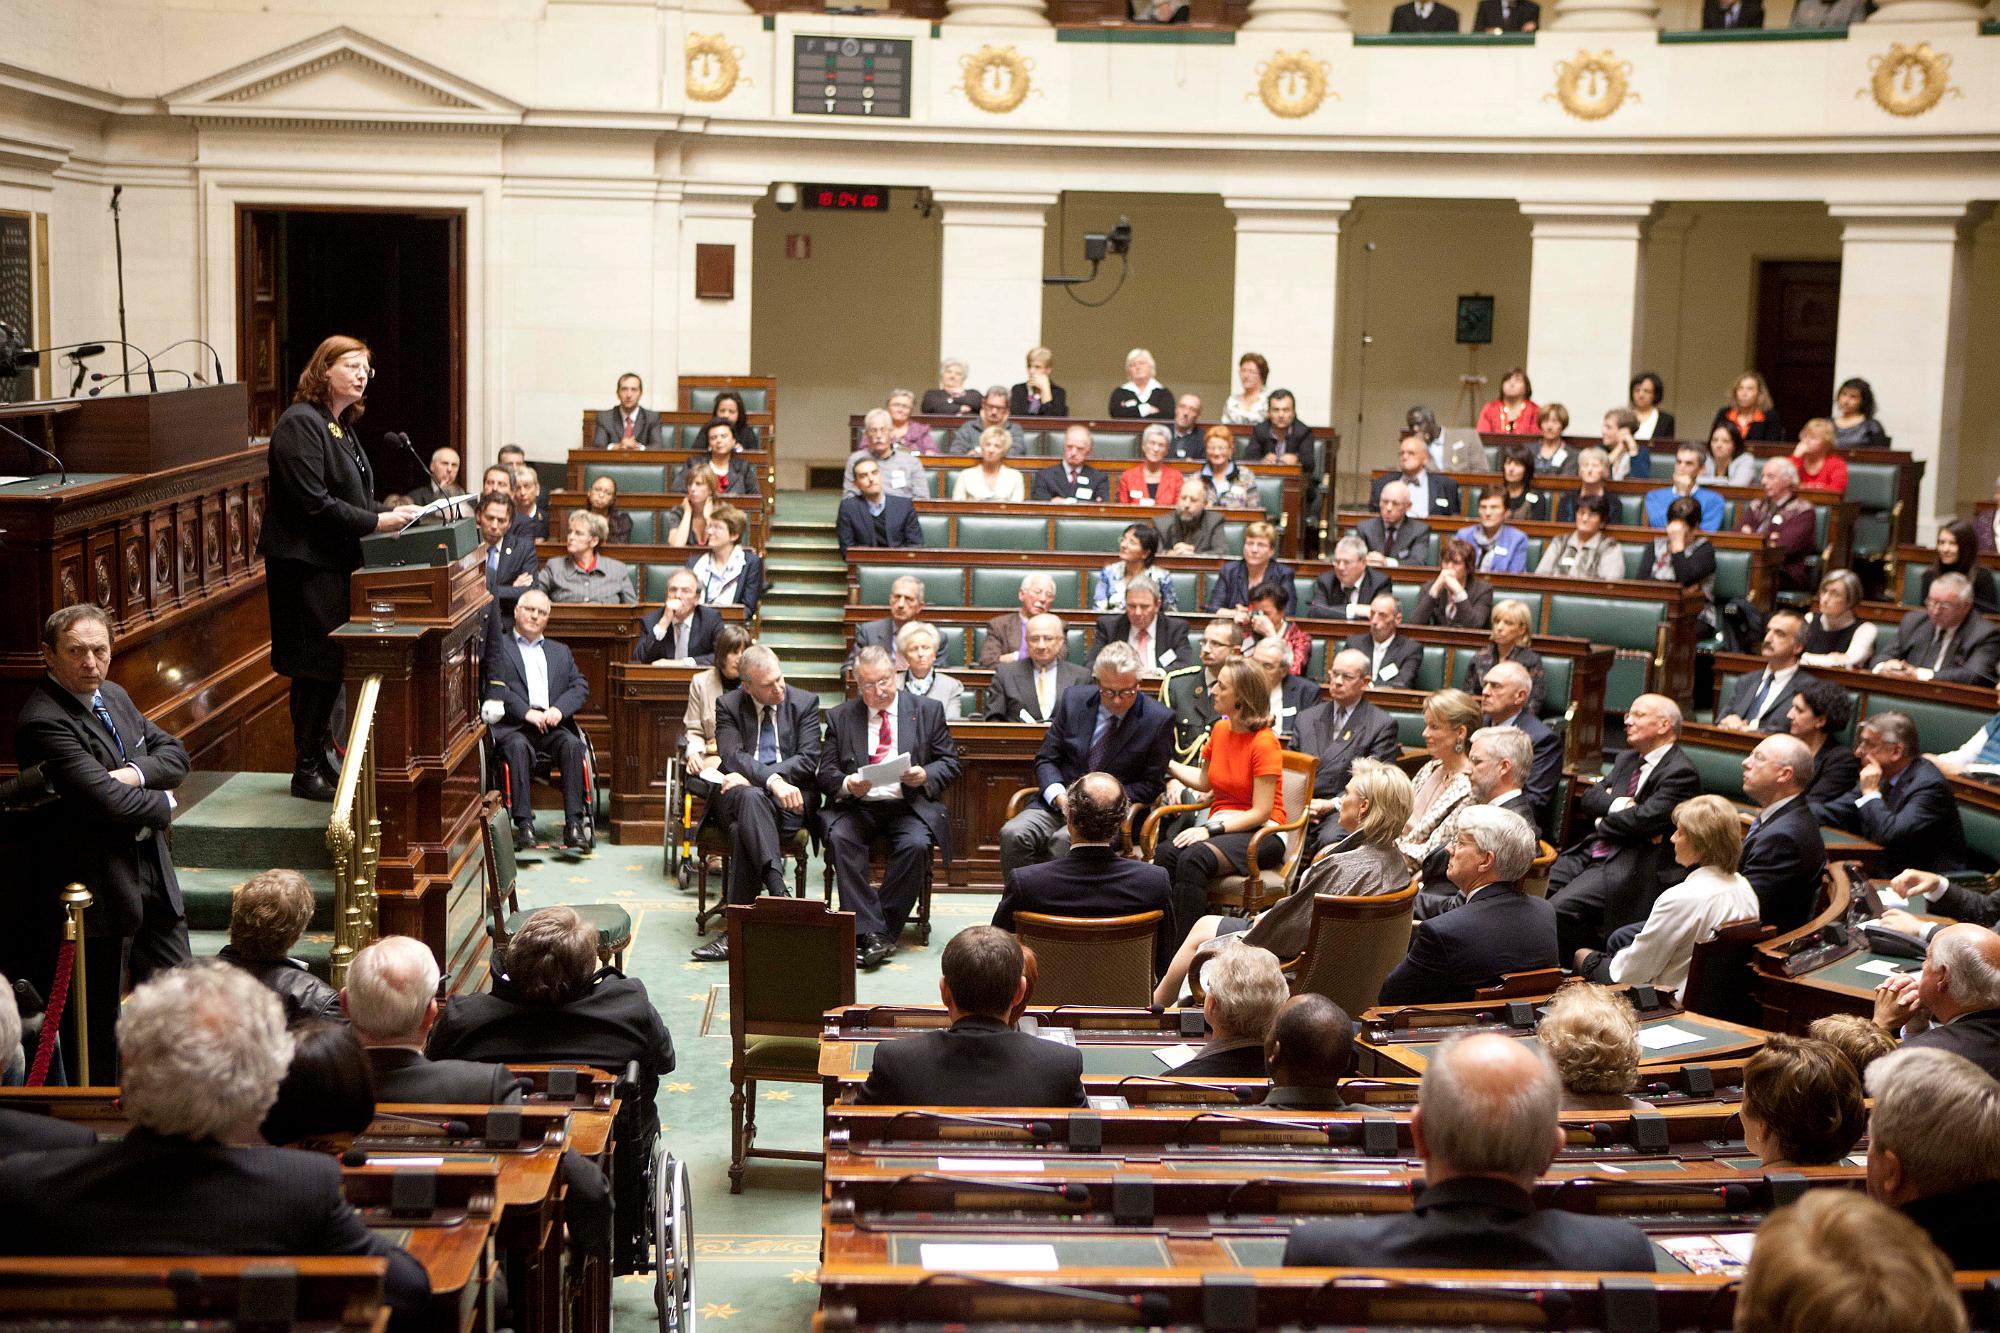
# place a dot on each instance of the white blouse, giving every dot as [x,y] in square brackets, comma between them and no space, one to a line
[971,484]
[1681,917]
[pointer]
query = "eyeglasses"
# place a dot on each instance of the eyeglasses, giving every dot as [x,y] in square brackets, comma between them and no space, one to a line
[367,372]
[1119,694]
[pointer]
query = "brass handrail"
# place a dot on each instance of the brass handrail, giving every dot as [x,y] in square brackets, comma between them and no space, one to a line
[354,837]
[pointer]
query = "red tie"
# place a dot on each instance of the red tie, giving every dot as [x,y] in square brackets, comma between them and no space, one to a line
[1140,646]
[628,428]
[882,741]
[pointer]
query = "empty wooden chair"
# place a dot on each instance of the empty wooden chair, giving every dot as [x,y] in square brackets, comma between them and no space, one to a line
[1091,960]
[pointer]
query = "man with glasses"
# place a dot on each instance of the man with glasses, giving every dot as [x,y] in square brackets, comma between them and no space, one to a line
[1344,728]
[1108,728]
[993,411]
[1185,691]
[1945,640]
[1027,690]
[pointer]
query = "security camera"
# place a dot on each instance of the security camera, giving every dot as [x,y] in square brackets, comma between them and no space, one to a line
[1121,236]
[1095,244]
[785,196]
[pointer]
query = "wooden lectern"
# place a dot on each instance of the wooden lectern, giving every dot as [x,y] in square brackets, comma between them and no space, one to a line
[427,737]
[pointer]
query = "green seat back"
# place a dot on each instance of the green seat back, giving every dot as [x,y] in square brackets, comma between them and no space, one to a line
[1982,834]
[1271,494]
[1316,659]
[1232,537]
[1556,675]
[1184,582]
[951,645]
[653,576]
[1037,443]
[1913,583]
[1528,598]
[1732,574]
[1406,596]
[1535,545]
[1077,638]
[937,483]
[1428,552]
[995,532]
[1940,727]
[1721,770]
[1633,509]
[1663,463]
[1430,672]
[936,529]
[1872,486]
[1729,515]
[1874,532]
[1115,446]
[1089,534]
[1638,560]
[1302,593]
[1622,624]
[689,434]
[944,585]
[702,398]
[1409,729]
[1002,587]
[629,476]
[644,525]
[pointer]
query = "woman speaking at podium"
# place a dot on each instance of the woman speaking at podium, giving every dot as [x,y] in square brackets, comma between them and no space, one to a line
[321,504]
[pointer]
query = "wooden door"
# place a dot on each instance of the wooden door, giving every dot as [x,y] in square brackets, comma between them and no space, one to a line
[1798,315]
[259,262]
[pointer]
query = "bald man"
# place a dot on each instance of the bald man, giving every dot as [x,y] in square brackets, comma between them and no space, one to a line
[1345,728]
[1784,852]
[1954,1003]
[1026,689]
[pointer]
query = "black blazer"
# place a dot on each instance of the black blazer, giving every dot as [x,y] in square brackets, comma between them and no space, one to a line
[1497,930]
[608,1026]
[1125,403]
[1545,768]
[1475,612]
[898,526]
[1650,817]
[1973,657]
[945,403]
[28,1131]
[1521,14]
[878,633]
[1233,1059]
[799,739]
[321,501]
[1783,860]
[1770,430]
[507,681]
[1960,1222]
[1961,903]
[1370,733]
[703,625]
[977,1061]
[1055,405]
[1916,821]
[1138,760]
[1400,663]
[1974,1036]
[611,427]
[405,1075]
[1012,692]
[1750,15]
[1094,882]
[89,835]
[920,732]
[1231,585]
[151,1194]
[1472,1222]
[1330,600]
[1052,483]
[1443,18]
[1443,490]
[1298,696]
[1407,547]
[1170,635]
[1836,772]
[517,557]
[1744,697]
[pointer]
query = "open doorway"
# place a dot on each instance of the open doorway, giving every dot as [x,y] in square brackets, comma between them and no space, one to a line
[395,280]
[1798,315]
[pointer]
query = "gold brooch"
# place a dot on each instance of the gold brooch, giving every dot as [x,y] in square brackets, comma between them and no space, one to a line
[713,66]
[338,433]
[1292,84]
[1909,81]
[995,78]
[1592,86]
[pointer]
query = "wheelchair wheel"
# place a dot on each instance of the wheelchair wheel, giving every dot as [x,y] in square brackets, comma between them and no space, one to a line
[673,1244]
[670,826]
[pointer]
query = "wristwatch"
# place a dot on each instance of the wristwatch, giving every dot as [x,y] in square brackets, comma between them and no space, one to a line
[1214,827]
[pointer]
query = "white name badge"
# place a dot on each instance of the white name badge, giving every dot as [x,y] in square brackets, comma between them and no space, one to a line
[1083,490]
[1388,671]
[1167,657]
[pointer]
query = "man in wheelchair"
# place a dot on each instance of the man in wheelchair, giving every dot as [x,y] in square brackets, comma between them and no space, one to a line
[535,683]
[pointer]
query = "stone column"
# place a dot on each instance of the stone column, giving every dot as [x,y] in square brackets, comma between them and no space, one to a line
[714,334]
[1287,256]
[1583,303]
[997,13]
[1298,16]
[1904,307]
[991,284]
[1605,15]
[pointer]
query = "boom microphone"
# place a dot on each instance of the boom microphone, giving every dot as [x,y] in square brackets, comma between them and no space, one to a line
[200,342]
[60,469]
[1151,1307]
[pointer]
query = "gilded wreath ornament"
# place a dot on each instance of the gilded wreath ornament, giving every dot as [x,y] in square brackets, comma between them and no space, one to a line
[1293,84]
[1593,85]
[713,66]
[996,79]
[1908,81]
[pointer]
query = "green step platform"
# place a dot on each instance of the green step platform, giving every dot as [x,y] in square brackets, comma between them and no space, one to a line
[248,821]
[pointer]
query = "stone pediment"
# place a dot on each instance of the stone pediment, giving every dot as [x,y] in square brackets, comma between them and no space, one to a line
[343,76]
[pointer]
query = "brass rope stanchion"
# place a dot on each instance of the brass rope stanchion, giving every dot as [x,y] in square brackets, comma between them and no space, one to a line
[75,899]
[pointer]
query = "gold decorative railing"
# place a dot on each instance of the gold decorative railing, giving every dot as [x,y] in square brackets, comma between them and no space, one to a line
[354,836]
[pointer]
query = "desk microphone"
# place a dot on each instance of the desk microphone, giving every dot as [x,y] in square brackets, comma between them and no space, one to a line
[103,381]
[63,471]
[1070,1191]
[1041,1131]
[354,1157]
[1292,1182]
[456,1129]
[1199,1116]
[1150,1307]
[397,437]
[199,342]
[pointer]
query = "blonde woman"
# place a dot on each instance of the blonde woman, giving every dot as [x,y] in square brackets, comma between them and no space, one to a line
[1512,632]
[1708,839]
[687,525]
[580,574]
[1593,1036]
[992,479]
[1444,783]
[1038,395]
[1366,862]
[1751,410]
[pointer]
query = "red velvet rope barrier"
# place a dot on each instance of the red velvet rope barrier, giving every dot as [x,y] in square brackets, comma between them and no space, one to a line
[45,1049]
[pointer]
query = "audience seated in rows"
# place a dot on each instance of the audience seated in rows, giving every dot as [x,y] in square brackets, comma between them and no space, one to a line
[730,574]
[602,500]
[1854,423]
[628,425]
[267,914]
[908,433]
[734,476]
[1690,458]
[1514,411]
[1946,640]
[992,479]
[1958,553]
[1038,395]
[1512,640]
[1026,689]
[871,516]
[1684,556]
[1391,537]
[1250,404]
[1291,695]
[729,408]
[1784,853]
[1150,481]
[1517,484]
[1138,548]
[1159,640]
[1186,691]
[1625,454]
[1708,844]
[1499,760]
[1444,783]
[1229,590]
[1762,700]
[951,398]
[1801,1103]
[1554,457]
[531,517]
[1507,699]
[902,472]
[1593,470]
[1230,484]
[1309,1049]
[1072,479]
[1934,1149]
[443,481]
[1837,1261]
[1820,711]
[581,573]
[327,1088]
[1820,468]
[705,690]
[1497,930]
[1241,994]
[1592,1035]
[1344,592]
[1497,546]
[1192,529]
[686,523]
[1751,410]
[1729,463]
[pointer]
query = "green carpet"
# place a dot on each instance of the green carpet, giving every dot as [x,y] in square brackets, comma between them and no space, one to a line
[756,1252]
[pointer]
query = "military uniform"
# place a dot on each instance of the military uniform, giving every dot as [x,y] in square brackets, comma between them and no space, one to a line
[1186,692]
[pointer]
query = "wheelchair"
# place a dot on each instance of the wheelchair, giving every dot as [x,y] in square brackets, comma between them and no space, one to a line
[545,770]
[683,852]
[652,1207]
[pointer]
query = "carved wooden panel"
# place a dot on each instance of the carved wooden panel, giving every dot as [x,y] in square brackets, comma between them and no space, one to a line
[236,548]
[160,562]
[187,549]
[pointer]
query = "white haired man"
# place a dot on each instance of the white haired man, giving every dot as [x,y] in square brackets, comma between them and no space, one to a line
[1497,930]
[1934,1149]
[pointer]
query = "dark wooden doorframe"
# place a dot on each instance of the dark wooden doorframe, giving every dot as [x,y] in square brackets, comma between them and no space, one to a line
[260,308]
[1798,317]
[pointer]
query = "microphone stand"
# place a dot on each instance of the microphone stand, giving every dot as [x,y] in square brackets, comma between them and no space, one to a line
[62,471]
[118,243]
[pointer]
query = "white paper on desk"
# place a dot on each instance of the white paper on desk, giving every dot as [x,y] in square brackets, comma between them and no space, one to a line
[1880,967]
[889,772]
[1002,1166]
[383,1159]
[942,1258]
[1665,1036]
[1173,1057]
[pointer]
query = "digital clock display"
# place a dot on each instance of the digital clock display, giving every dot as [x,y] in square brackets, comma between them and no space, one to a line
[846,198]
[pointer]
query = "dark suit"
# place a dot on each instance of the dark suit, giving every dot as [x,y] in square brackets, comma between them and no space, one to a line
[28,1131]
[1094,881]
[535,526]
[611,427]
[1972,657]
[1595,891]
[1404,18]
[1783,858]
[757,825]
[1975,1036]
[1368,733]
[1005,639]
[1206,536]
[1916,820]
[1545,769]
[151,1194]
[516,557]
[1227,1059]
[1401,660]
[1012,698]
[1836,773]
[977,1061]
[1231,586]
[1960,1222]
[1137,756]
[1749,14]
[742,478]
[748,583]
[519,741]
[1961,902]
[703,625]
[1409,545]
[877,634]
[1473,1223]
[107,836]
[1170,636]
[896,526]
[1296,697]
[1125,403]
[1744,698]
[1497,930]
[406,1075]
[1053,483]
[430,494]
[1330,599]
[1055,405]
[1443,490]
[1439,895]
[1520,16]
[911,823]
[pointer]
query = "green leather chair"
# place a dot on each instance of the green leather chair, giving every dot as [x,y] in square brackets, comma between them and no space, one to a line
[1634,510]
[1271,494]
[703,396]
[504,916]
[629,476]
[1186,583]
[1232,537]
[652,577]
[1114,446]
[1535,546]
[1721,770]
[1001,532]
[1001,587]
[645,522]
[1631,627]
[936,529]
[944,585]
[1431,671]
[1940,727]
[1409,729]
[1872,488]
[1406,595]
[1557,674]
[1089,534]
[687,435]
[1982,834]
[951,646]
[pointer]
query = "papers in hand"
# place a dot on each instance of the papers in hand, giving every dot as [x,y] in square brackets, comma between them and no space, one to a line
[1173,1057]
[884,778]
[1665,1036]
[444,504]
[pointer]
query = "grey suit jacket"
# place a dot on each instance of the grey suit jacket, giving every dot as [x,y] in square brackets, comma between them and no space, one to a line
[1369,733]
[1011,696]
[611,427]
